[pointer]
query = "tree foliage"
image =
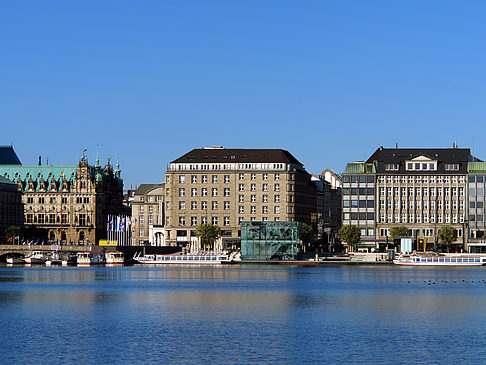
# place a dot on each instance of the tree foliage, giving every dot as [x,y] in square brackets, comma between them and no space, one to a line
[12,231]
[447,235]
[208,234]
[400,231]
[307,233]
[349,234]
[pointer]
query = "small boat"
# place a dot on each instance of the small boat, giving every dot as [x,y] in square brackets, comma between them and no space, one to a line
[433,259]
[35,258]
[54,259]
[87,258]
[182,259]
[15,260]
[114,258]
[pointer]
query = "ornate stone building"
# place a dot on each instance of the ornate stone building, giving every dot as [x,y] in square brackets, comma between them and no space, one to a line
[225,187]
[71,201]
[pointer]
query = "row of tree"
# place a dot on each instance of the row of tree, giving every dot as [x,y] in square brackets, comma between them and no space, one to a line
[352,234]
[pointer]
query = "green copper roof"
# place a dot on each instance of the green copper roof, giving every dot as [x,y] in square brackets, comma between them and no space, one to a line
[47,172]
[476,167]
[360,168]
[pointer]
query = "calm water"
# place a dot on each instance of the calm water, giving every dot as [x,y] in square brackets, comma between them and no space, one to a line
[254,314]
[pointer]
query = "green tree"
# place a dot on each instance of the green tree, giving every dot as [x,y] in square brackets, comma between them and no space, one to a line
[208,234]
[307,233]
[350,234]
[12,232]
[400,231]
[447,235]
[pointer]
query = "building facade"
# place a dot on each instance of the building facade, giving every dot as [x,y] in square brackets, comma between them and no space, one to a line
[11,208]
[421,189]
[148,213]
[71,201]
[225,187]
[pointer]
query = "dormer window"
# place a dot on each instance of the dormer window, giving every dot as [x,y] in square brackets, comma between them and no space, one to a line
[452,167]
[421,163]
[391,167]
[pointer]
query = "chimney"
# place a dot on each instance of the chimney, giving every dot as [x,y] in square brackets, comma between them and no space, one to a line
[40,160]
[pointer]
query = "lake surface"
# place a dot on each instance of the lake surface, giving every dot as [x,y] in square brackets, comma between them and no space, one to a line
[242,314]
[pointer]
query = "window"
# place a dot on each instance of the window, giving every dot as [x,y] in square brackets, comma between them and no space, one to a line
[226,205]
[253,176]
[204,192]
[253,187]
[277,209]
[193,179]
[215,179]
[193,221]
[241,177]
[193,192]
[141,209]
[253,198]
[141,219]
[241,198]
[276,198]
[253,209]
[226,221]
[277,176]
[204,205]
[215,191]
[53,200]
[182,221]
[241,187]
[226,191]
[391,167]
[182,179]
[182,205]
[214,205]
[150,219]
[265,176]
[265,187]
[264,209]
[241,209]
[182,192]
[277,187]
[214,221]
[204,179]
[226,179]
[265,198]
[193,205]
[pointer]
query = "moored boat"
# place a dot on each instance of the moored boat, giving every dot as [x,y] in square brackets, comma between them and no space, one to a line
[183,259]
[86,258]
[114,258]
[36,258]
[15,260]
[439,260]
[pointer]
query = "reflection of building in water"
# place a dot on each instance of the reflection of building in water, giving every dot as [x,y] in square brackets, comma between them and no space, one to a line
[270,240]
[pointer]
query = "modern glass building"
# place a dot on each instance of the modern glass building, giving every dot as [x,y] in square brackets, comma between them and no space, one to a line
[271,240]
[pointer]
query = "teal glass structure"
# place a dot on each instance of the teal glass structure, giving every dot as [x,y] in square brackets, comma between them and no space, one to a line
[271,240]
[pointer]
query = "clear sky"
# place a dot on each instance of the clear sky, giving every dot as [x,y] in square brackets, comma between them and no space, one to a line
[330,81]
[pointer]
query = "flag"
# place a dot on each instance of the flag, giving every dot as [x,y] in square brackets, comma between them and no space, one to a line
[10,239]
[128,224]
[122,228]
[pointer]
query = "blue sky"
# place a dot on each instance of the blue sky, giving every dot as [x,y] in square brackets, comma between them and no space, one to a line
[330,81]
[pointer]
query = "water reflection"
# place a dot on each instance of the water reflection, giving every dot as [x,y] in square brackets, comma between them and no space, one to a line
[242,314]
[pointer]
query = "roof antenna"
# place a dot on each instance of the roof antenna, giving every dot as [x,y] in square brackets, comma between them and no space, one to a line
[396,145]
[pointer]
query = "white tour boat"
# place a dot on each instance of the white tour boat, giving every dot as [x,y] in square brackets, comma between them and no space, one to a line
[15,260]
[86,258]
[439,260]
[36,258]
[183,259]
[114,258]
